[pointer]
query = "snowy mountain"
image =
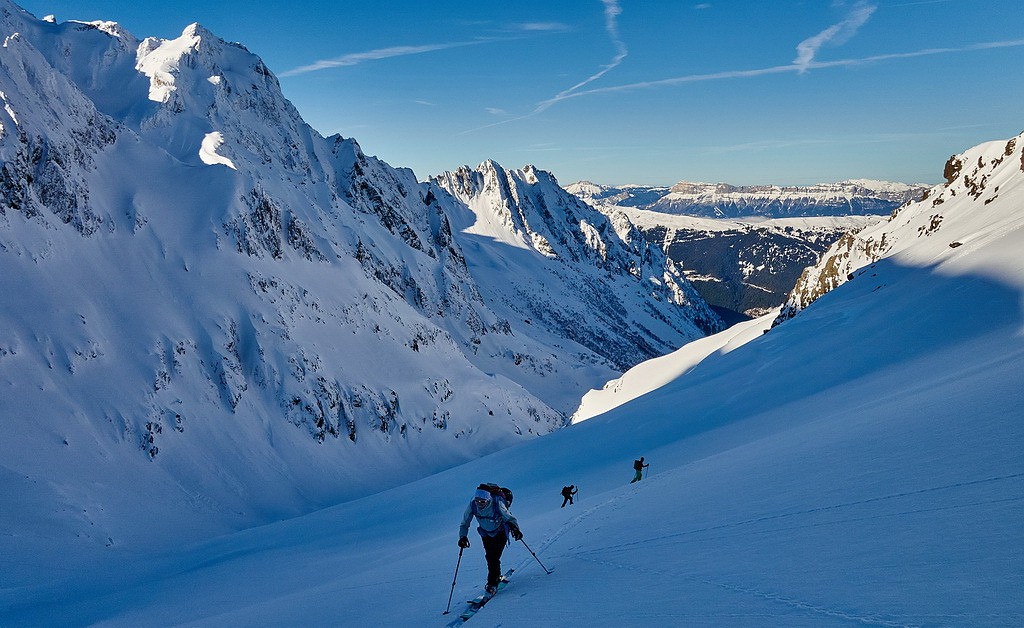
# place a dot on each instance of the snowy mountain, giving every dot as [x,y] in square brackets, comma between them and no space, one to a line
[640,196]
[568,270]
[743,267]
[213,317]
[858,464]
[975,180]
[856,197]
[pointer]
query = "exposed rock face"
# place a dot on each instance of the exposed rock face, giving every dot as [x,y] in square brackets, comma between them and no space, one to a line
[747,269]
[974,180]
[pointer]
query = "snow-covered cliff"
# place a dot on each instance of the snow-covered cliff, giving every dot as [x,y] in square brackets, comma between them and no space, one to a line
[570,270]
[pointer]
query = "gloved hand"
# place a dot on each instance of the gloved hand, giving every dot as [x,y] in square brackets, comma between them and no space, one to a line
[463,542]
[516,534]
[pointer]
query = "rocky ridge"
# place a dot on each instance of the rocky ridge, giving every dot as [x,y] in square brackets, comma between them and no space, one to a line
[975,180]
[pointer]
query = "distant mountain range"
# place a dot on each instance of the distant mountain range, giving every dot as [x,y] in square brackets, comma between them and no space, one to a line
[858,197]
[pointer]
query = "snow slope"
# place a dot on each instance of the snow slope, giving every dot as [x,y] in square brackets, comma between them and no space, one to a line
[858,464]
[657,372]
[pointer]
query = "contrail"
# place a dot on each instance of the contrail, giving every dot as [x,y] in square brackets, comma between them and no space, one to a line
[612,10]
[835,34]
[793,67]
[356,58]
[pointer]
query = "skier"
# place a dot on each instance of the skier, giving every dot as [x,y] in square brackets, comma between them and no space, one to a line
[496,524]
[639,466]
[567,493]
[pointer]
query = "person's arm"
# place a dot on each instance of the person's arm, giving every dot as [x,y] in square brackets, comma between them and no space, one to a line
[467,517]
[510,521]
[505,514]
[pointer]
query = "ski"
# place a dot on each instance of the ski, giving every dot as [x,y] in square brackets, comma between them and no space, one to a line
[474,605]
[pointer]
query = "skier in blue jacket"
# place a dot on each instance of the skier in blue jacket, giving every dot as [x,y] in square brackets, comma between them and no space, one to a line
[496,523]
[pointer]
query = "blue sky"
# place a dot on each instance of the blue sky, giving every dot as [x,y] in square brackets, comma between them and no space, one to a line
[623,91]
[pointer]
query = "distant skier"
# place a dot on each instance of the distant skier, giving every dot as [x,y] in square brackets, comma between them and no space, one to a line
[567,493]
[639,466]
[496,524]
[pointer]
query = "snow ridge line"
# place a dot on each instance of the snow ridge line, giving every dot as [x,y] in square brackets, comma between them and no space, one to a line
[810,510]
[873,620]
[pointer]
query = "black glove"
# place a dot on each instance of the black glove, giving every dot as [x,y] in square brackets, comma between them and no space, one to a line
[516,534]
[463,542]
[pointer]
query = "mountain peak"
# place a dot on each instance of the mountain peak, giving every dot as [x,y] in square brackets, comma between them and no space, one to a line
[195,29]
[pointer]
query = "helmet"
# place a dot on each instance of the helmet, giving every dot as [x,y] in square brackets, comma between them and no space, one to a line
[482,498]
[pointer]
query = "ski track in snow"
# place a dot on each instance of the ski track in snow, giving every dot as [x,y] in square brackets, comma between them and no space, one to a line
[816,609]
[773,597]
[868,619]
[828,508]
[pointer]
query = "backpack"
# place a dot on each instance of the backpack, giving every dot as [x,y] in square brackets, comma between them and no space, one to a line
[638,465]
[497,492]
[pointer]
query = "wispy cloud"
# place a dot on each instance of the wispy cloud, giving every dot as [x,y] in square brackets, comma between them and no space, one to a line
[541,26]
[494,111]
[807,50]
[702,6]
[356,58]
[782,69]
[836,34]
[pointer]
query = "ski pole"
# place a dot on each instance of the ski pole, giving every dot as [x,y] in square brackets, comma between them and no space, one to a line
[535,556]
[447,610]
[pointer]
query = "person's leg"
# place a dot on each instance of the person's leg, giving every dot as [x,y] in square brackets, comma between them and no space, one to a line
[565,499]
[493,547]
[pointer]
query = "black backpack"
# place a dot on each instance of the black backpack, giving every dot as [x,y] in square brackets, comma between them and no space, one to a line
[498,492]
[638,465]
